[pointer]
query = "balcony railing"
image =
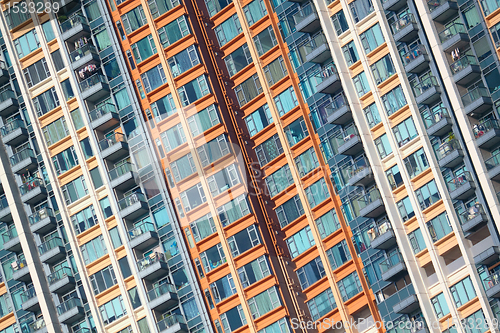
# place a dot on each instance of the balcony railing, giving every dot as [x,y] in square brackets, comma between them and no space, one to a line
[433,4]
[474,95]
[425,85]
[28,294]
[381,228]
[72,22]
[489,6]
[6,94]
[19,264]
[9,234]
[314,43]
[3,202]
[346,135]
[368,198]
[338,102]
[109,141]
[68,305]
[493,161]
[471,213]
[403,22]
[59,275]
[130,200]
[150,260]
[462,63]
[325,72]
[40,215]
[491,280]
[12,126]
[141,229]
[358,165]
[49,245]
[435,117]
[21,156]
[101,111]
[447,148]
[482,128]
[458,181]
[303,13]
[92,81]
[451,31]
[170,321]
[31,185]
[36,325]
[413,54]
[121,170]
[161,290]
[392,261]
[82,52]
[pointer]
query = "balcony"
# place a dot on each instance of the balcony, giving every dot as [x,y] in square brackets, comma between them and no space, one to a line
[37,326]
[473,218]
[329,81]
[442,10]
[307,20]
[461,187]
[152,266]
[492,285]
[174,323]
[30,300]
[23,161]
[317,50]
[393,268]
[427,91]
[393,5]
[84,56]
[74,28]
[487,134]
[476,102]
[493,166]
[163,297]
[43,221]
[20,270]
[143,236]
[453,37]
[371,204]
[123,177]
[11,240]
[405,28]
[416,60]
[133,206]
[94,88]
[349,142]
[52,250]
[408,305]
[33,191]
[114,148]
[14,133]
[70,311]
[4,73]
[449,154]
[488,256]
[61,281]
[438,123]
[8,103]
[465,70]
[104,117]
[339,112]
[5,215]
[359,173]
[384,237]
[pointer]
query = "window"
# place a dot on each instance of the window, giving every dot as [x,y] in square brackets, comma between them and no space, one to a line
[223,180]
[383,146]
[264,302]
[427,194]
[113,310]
[300,242]
[238,59]
[417,241]
[258,120]
[65,160]
[405,209]
[46,101]
[163,108]
[349,286]
[394,100]
[322,304]
[55,131]
[310,273]
[476,323]
[173,138]
[134,19]
[383,69]
[254,11]
[105,207]
[173,31]
[57,60]
[243,241]
[93,249]
[405,131]
[115,237]
[361,84]
[183,167]
[279,180]
[296,132]
[160,7]
[153,78]
[213,257]
[360,9]
[143,323]
[233,319]
[317,193]
[275,71]
[84,219]
[372,115]
[463,292]
[328,224]
[76,117]
[215,6]
[248,90]
[193,197]
[223,288]
[281,326]
[135,301]
[213,150]
[143,49]
[27,43]
[372,38]
[36,73]
[183,61]
[254,271]
[416,163]
[338,255]
[289,211]
[74,190]
[440,305]
[203,120]
[124,267]
[203,227]
[86,148]
[265,40]
[350,53]
[286,101]
[17,14]
[339,22]
[228,29]
[269,150]
[103,279]
[306,162]
[194,90]
[95,175]
[394,177]
[439,227]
